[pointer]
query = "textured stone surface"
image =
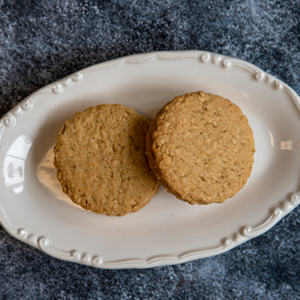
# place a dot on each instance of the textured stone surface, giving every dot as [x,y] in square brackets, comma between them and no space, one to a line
[43,41]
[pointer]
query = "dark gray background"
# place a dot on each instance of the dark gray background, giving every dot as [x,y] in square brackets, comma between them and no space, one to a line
[43,41]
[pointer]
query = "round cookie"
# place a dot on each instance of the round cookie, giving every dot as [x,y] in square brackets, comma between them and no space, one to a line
[200,147]
[101,162]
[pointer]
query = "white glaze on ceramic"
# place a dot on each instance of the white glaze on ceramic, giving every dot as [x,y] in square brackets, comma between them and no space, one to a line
[167,231]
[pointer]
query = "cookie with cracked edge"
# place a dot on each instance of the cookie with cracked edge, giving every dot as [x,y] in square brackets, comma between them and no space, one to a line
[200,147]
[101,162]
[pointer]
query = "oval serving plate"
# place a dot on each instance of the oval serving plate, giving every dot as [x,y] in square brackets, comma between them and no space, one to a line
[167,231]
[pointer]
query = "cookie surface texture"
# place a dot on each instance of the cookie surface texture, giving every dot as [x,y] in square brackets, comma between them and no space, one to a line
[101,162]
[200,147]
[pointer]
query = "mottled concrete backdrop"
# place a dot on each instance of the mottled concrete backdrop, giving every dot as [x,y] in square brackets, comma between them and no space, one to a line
[43,41]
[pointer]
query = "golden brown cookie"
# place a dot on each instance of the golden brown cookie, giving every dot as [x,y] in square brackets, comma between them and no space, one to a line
[101,162]
[200,147]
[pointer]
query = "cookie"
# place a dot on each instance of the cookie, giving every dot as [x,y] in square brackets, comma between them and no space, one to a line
[200,147]
[101,162]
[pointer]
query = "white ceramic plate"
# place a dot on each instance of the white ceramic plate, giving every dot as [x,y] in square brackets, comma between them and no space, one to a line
[167,231]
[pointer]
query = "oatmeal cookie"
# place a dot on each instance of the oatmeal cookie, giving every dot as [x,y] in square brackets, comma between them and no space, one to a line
[200,147]
[101,162]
